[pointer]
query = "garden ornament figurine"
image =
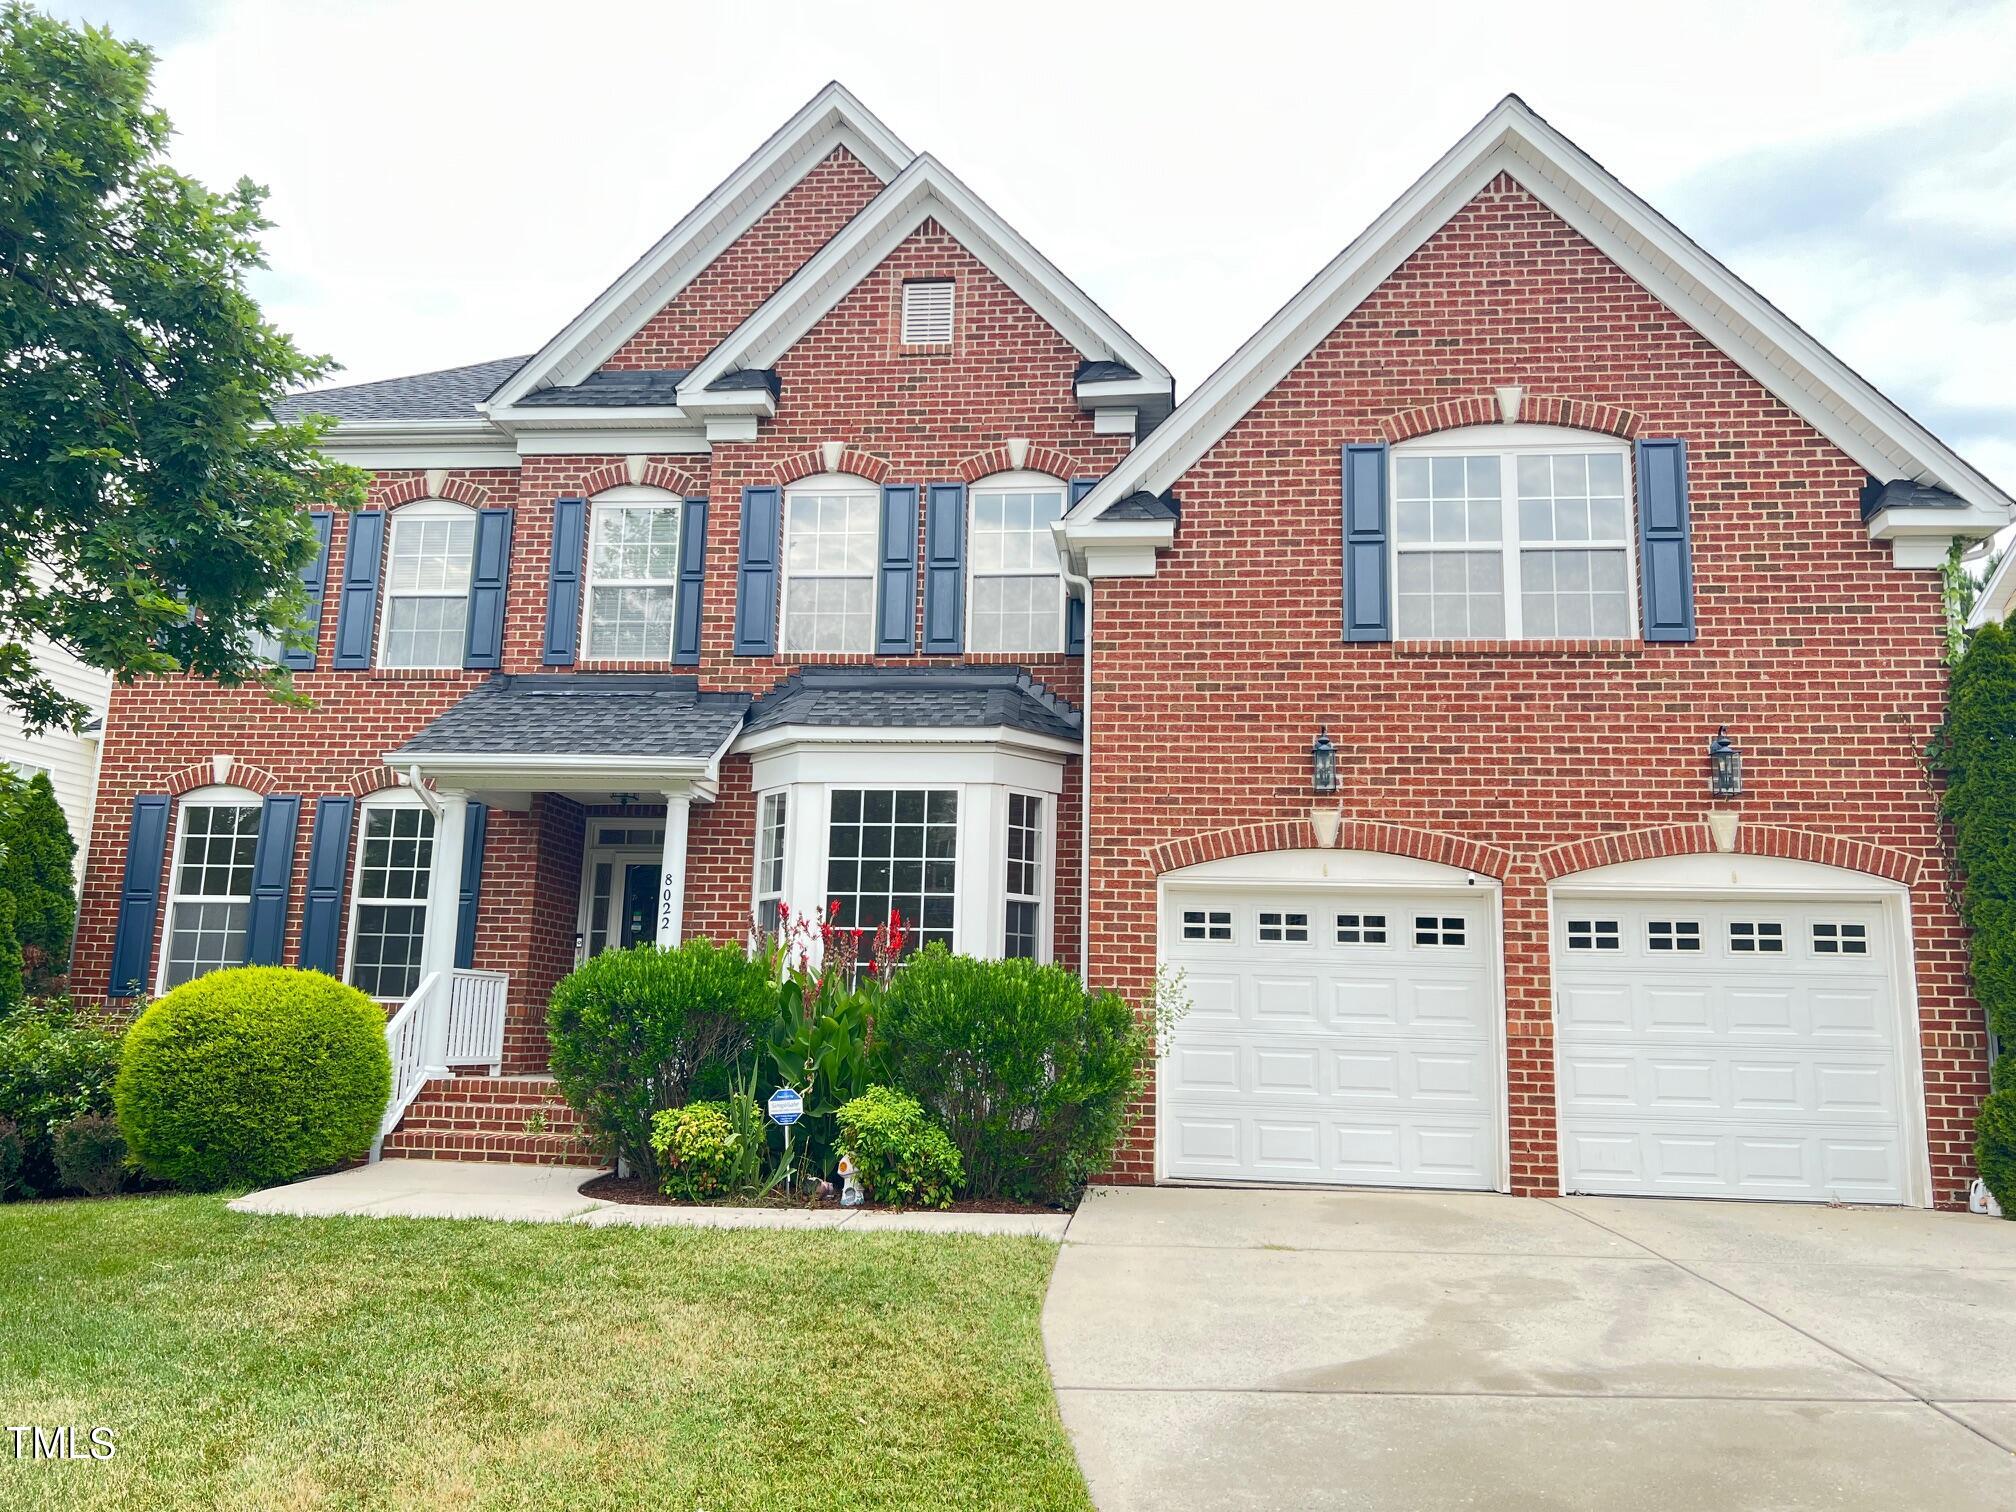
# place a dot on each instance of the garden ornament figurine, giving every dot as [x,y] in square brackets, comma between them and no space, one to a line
[851,1194]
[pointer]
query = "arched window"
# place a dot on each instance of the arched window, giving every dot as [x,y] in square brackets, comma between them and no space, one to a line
[1509,532]
[830,548]
[1017,600]
[427,585]
[388,894]
[633,574]
[210,884]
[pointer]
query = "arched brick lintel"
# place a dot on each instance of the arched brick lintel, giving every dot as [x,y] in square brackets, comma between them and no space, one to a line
[1534,409]
[1883,861]
[656,475]
[1042,459]
[1360,835]
[199,774]
[852,460]
[374,779]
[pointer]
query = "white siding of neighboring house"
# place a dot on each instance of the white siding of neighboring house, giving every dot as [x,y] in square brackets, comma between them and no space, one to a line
[70,760]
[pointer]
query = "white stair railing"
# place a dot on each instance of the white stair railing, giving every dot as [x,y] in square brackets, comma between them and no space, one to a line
[406,1038]
[476,1018]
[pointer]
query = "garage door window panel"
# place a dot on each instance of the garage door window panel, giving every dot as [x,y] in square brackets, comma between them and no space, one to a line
[1594,934]
[1212,925]
[1673,934]
[1283,928]
[1361,929]
[1840,939]
[1756,937]
[1439,930]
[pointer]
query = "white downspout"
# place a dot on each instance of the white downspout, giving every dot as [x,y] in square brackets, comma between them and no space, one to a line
[1084,587]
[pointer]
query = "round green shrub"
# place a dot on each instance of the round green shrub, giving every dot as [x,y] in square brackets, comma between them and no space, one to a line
[633,1032]
[899,1154]
[253,1075]
[696,1150]
[1031,1075]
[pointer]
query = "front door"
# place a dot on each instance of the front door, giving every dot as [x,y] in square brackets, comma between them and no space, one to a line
[640,903]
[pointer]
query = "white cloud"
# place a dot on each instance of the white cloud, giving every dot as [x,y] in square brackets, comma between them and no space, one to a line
[453,181]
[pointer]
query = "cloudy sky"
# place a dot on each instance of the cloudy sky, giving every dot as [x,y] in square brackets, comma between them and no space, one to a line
[451,182]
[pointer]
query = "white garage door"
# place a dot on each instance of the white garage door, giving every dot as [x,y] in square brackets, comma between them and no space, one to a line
[1729,1049]
[1333,1036]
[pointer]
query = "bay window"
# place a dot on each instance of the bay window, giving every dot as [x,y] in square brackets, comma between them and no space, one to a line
[895,850]
[770,817]
[1526,537]
[1022,933]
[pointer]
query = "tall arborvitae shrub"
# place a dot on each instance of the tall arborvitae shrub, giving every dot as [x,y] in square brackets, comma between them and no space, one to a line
[1979,751]
[37,869]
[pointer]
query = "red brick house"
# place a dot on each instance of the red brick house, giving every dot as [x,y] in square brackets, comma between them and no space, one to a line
[843,550]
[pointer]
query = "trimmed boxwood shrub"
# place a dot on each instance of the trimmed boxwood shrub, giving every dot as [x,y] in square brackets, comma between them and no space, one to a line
[55,1065]
[253,1075]
[1978,747]
[899,1154]
[1030,1074]
[695,1146]
[633,1032]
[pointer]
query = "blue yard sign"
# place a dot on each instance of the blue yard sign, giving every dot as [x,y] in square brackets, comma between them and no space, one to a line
[786,1107]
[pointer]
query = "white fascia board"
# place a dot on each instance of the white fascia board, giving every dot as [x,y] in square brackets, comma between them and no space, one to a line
[563,773]
[831,118]
[1099,393]
[901,739]
[590,417]
[924,190]
[1114,548]
[391,444]
[758,401]
[1993,603]
[1815,384]
[613,442]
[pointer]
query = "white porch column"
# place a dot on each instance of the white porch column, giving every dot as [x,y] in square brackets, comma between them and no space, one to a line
[672,871]
[437,953]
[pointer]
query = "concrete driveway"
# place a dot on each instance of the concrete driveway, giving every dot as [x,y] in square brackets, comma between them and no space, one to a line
[1415,1350]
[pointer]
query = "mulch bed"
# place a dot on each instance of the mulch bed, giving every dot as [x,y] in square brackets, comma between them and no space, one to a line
[628,1189]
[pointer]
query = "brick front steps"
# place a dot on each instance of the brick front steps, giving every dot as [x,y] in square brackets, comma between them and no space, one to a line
[491,1118]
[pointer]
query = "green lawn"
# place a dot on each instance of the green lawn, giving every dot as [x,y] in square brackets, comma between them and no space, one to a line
[353,1362]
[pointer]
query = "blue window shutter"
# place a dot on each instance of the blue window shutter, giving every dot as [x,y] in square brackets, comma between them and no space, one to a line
[139,896]
[328,871]
[357,604]
[472,884]
[1074,608]
[756,574]
[314,583]
[563,582]
[1368,597]
[945,569]
[1665,541]
[896,584]
[489,579]
[272,880]
[692,577]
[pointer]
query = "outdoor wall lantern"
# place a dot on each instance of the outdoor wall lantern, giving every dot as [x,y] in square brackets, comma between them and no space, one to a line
[1725,766]
[1323,762]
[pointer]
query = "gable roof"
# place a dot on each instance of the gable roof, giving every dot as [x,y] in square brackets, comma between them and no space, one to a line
[831,118]
[447,394]
[947,698]
[925,190]
[1830,396]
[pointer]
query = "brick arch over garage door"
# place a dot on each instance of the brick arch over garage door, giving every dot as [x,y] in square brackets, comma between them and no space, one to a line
[1353,835]
[1883,861]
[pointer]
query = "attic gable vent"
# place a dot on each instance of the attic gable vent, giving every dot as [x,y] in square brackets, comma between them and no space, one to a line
[927,313]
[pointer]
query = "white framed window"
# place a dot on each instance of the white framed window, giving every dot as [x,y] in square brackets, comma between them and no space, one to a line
[633,575]
[927,312]
[427,568]
[1022,931]
[1214,924]
[210,883]
[831,548]
[895,850]
[388,896]
[1511,533]
[1278,928]
[772,810]
[1016,597]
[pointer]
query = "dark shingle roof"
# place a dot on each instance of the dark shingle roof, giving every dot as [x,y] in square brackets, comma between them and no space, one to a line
[1902,493]
[647,386]
[584,714]
[915,697]
[450,394]
[748,378]
[1144,506]
[1104,372]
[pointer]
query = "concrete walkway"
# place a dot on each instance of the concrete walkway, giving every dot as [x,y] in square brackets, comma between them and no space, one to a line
[1262,1349]
[550,1194]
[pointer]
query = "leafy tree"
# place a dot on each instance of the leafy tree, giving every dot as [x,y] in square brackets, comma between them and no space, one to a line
[1978,746]
[37,859]
[151,511]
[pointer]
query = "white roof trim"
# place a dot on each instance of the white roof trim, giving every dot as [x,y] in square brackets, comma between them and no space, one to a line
[924,190]
[1815,384]
[831,118]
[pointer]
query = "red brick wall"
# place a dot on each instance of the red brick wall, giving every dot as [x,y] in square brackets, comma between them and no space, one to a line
[931,416]
[729,289]
[1823,659]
